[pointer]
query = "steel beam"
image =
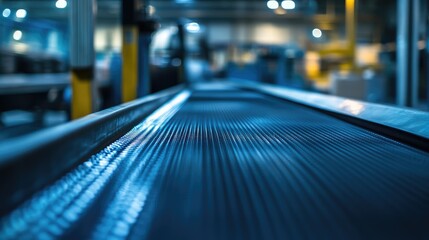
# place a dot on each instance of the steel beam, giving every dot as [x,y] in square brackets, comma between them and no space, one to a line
[82,20]
[407,53]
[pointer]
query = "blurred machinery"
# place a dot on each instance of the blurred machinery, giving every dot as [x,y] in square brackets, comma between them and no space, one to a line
[168,65]
[13,62]
[281,65]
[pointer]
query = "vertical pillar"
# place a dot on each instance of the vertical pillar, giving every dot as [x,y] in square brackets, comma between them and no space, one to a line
[351,29]
[146,27]
[426,22]
[129,52]
[82,56]
[143,86]
[414,50]
[407,53]
[182,51]
[402,53]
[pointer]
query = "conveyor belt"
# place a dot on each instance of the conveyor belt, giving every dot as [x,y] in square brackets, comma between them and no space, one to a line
[231,164]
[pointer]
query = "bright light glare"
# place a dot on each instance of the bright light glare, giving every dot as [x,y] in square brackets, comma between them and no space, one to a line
[272,4]
[288,4]
[61,4]
[17,35]
[193,27]
[353,107]
[6,12]
[317,33]
[151,10]
[21,13]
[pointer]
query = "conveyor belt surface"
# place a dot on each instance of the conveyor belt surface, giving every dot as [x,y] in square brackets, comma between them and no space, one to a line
[229,164]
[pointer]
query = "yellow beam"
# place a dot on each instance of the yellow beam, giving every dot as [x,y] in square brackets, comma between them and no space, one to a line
[351,27]
[329,51]
[129,63]
[82,93]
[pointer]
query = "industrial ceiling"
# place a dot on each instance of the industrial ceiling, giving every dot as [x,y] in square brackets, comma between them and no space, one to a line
[212,10]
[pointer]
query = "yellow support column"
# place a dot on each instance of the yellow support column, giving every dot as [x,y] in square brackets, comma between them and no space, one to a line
[82,20]
[130,41]
[129,63]
[351,29]
[82,92]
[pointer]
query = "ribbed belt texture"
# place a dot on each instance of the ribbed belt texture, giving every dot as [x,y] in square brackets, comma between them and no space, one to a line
[230,164]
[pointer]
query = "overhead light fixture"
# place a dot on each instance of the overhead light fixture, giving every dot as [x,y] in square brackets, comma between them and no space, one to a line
[272,4]
[288,4]
[21,13]
[6,12]
[317,33]
[17,35]
[151,10]
[61,4]
[193,27]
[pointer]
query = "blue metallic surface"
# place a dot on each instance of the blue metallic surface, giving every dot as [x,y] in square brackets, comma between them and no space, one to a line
[29,163]
[406,119]
[53,211]
[222,163]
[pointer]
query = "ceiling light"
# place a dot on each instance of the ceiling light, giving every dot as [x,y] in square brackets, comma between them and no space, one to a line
[151,10]
[272,4]
[61,4]
[288,4]
[317,33]
[6,12]
[21,13]
[193,27]
[17,35]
